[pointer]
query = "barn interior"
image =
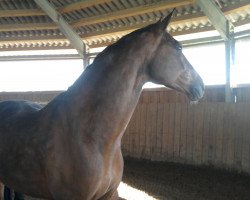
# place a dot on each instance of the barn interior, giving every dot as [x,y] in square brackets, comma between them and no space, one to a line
[172,149]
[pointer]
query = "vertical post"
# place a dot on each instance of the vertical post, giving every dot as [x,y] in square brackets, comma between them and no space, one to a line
[85,57]
[226,30]
[228,92]
[230,57]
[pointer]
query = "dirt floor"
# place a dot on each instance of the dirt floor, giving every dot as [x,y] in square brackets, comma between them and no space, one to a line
[168,181]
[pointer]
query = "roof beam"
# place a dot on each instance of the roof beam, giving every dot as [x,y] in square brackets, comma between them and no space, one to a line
[132,12]
[28,26]
[70,34]
[217,18]
[81,5]
[21,13]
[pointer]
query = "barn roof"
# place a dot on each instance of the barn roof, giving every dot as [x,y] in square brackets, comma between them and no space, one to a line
[101,22]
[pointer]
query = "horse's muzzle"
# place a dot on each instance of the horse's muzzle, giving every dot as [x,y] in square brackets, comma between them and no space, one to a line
[196,92]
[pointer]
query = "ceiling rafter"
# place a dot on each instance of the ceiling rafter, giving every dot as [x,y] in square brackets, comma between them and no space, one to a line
[28,26]
[81,5]
[21,13]
[132,12]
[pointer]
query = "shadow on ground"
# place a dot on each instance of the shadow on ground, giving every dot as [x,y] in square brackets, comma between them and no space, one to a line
[168,181]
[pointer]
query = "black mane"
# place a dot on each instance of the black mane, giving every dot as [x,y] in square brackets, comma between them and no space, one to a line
[124,40]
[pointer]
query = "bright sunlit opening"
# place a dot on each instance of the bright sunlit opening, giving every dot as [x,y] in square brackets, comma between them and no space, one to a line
[128,192]
[42,75]
[209,62]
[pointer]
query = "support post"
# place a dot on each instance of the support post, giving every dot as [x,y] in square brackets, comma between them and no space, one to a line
[226,30]
[228,91]
[85,57]
[70,34]
[230,60]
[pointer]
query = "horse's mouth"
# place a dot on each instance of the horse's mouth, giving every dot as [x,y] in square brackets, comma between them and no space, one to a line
[195,93]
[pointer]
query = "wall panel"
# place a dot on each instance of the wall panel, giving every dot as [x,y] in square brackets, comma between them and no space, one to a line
[208,133]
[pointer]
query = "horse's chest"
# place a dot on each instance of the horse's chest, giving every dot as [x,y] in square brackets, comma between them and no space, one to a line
[90,176]
[111,175]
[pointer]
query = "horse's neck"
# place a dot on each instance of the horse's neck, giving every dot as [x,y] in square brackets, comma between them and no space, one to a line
[105,97]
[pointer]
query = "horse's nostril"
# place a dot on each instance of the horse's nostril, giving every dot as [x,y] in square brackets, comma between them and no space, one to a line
[197,91]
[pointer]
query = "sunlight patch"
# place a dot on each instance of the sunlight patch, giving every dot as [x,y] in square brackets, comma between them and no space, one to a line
[129,193]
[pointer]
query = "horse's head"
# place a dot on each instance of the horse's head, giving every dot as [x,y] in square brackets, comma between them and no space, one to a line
[170,67]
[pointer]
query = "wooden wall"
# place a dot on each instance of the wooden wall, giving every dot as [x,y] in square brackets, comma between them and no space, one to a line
[213,133]
[39,97]
[165,127]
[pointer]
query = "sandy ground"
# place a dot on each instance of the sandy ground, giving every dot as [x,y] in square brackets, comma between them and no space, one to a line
[168,181]
[143,180]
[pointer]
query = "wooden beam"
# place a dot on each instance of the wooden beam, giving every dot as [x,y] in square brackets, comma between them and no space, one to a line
[131,12]
[81,5]
[39,57]
[27,26]
[74,39]
[21,13]
[25,48]
[245,5]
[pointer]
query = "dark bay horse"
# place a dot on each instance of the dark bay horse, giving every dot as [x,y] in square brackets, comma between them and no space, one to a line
[71,148]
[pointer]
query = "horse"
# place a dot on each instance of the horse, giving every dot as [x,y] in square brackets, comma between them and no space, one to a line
[71,148]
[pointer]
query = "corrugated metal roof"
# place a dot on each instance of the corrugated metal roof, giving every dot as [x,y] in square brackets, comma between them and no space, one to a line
[25,26]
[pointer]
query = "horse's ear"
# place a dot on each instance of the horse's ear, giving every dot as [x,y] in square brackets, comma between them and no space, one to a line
[164,23]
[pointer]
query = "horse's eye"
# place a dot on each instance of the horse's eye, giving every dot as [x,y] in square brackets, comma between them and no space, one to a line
[179,47]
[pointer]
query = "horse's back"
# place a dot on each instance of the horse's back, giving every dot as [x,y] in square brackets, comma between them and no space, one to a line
[15,108]
[21,146]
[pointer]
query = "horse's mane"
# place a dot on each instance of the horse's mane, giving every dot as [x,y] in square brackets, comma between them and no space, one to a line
[122,42]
